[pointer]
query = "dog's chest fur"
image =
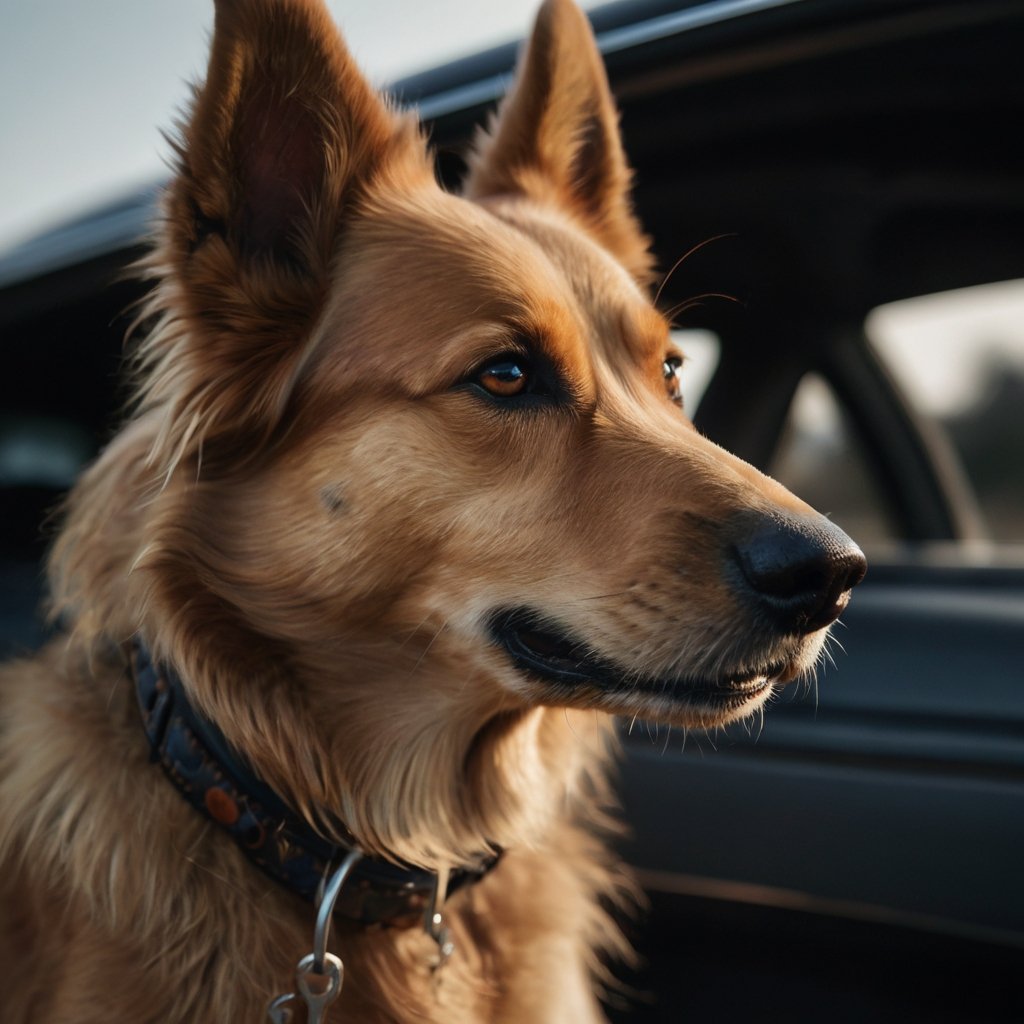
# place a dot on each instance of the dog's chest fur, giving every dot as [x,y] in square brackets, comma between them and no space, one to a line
[127,905]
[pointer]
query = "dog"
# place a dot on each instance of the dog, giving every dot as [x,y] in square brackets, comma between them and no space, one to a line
[405,513]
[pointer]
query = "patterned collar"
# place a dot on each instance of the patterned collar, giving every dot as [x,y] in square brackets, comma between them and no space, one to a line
[216,781]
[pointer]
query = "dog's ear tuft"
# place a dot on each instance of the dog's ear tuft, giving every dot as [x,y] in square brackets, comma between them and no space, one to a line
[285,138]
[556,137]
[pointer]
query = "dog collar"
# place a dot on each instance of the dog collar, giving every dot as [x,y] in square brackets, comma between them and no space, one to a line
[216,781]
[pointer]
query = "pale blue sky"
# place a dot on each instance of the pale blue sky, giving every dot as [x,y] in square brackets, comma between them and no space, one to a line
[85,85]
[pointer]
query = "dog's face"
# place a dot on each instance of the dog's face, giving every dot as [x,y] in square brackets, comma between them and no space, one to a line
[505,479]
[427,470]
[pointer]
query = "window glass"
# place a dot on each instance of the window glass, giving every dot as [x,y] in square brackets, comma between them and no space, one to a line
[39,451]
[959,357]
[701,350]
[820,459]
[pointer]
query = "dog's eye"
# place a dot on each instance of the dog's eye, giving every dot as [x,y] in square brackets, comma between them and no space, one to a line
[670,371]
[505,377]
[517,380]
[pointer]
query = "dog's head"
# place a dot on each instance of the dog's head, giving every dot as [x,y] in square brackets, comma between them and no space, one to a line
[425,473]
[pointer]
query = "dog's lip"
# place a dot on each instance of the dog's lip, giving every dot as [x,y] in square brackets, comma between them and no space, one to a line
[555,656]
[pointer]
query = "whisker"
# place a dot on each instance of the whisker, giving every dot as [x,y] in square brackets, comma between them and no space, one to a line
[668,736]
[682,259]
[416,630]
[827,654]
[695,300]
[426,650]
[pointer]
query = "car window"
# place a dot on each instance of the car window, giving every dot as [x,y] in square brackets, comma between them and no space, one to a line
[41,451]
[959,358]
[701,351]
[820,458]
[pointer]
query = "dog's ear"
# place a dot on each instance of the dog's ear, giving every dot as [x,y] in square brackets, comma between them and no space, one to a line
[556,137]
[284,139]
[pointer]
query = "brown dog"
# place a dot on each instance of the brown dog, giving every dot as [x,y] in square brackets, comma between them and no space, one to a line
[407,511]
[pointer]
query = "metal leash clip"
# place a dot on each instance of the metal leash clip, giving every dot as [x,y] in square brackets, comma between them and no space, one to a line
[319,975]
[433,922]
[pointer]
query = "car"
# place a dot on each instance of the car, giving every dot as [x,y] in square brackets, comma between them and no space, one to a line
[845,182]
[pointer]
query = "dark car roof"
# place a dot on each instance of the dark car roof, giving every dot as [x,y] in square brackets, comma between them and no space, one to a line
[464,86]
[655,48]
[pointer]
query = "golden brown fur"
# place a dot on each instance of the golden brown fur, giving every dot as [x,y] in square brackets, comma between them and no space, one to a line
[311,517]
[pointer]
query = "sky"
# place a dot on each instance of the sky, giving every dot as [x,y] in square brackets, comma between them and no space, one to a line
[86,85]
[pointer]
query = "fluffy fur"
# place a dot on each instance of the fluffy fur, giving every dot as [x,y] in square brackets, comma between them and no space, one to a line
[313,513]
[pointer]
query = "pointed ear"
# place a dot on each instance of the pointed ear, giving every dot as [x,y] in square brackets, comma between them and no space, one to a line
[282,134]
[284,138]
[556,137]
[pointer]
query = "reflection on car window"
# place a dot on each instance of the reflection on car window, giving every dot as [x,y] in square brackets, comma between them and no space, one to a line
[41,451]
[701,350]
[959,357]
[820,458]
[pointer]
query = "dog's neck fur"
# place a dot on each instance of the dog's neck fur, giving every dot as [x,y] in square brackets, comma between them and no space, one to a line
[451,783]
[194,890]
[550,876]
[218,783]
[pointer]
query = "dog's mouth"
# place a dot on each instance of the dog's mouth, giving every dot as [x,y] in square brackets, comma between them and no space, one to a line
[553,656]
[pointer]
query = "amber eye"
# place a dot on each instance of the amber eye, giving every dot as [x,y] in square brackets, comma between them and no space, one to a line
[670,371]
[506,377]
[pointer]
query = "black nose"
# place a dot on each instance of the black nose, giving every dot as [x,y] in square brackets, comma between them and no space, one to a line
[799,569]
